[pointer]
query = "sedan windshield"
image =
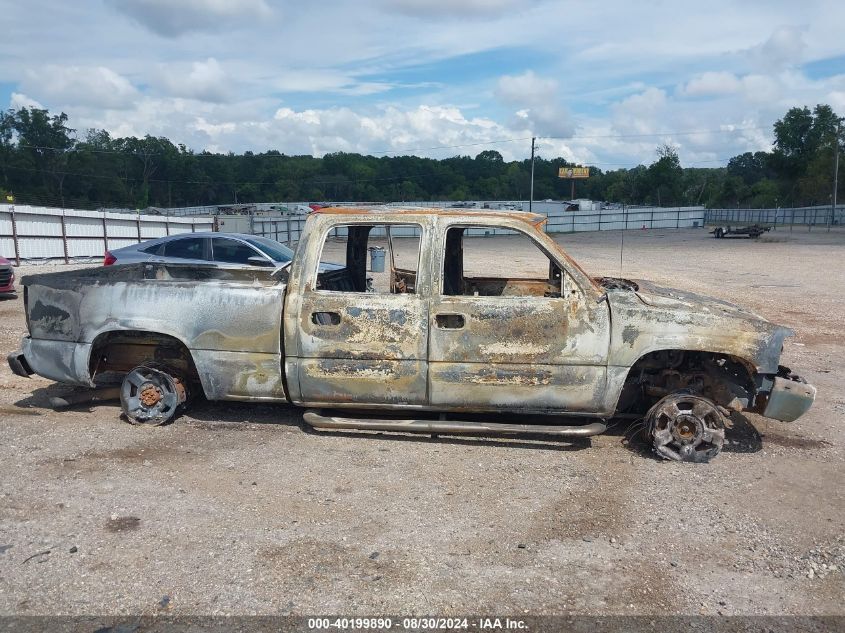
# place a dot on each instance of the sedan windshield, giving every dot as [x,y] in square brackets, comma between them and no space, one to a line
[277,252]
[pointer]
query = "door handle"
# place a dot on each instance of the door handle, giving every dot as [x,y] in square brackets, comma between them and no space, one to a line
[450,321]
[325,318]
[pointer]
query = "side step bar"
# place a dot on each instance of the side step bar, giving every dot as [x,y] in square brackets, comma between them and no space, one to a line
[313,418]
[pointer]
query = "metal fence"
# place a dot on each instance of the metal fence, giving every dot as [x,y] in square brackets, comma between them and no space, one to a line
[30,233]
[287,229]
[617,219]
[800,216]
[597,217]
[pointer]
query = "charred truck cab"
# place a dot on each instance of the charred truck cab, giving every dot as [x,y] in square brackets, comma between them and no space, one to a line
[442,334]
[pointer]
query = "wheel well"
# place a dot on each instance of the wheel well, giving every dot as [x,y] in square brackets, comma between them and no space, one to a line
[725,379]
[121,351]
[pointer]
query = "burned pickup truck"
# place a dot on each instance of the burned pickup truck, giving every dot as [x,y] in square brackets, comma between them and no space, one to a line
[444,337]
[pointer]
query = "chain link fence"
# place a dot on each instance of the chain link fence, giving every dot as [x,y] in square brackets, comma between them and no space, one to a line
[810,217]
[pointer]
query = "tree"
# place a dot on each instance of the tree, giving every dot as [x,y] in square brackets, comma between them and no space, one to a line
[490,155]
[664,176]
[7,148]
[42,160]
[46,139]
[751,167]
[765,194]
[800,136]
[792,134]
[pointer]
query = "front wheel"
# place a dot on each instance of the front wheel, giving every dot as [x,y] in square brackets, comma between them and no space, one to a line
[686,428]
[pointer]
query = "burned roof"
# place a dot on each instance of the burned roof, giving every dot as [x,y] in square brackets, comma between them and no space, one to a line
[534,219]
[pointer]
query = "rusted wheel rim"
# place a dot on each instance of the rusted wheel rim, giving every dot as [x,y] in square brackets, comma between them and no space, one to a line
[686,428]
[150,396]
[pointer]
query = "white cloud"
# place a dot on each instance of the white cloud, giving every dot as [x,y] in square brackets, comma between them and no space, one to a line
[247,126]
[322,80]
[515,89]
[762,89]
[367,88]
[783,49]
[204,80]
[18,101]
[451,8]
[754,88]
[643,113]
[713,83]
[79,85]
[171,19]
[539,106]
[836,100]
[392,129]
[310,80]
[380,75]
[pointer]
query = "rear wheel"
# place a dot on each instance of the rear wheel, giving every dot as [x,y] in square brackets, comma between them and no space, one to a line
[151,395]
[686,428]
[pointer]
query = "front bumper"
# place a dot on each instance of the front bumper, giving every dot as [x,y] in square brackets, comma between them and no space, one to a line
[7,281]
[790,398]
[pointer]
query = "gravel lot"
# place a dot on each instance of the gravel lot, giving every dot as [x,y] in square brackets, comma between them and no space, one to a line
[237,509]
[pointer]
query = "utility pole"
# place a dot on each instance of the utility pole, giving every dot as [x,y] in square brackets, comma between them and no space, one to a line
[531,192]
[835,174]
[622,237]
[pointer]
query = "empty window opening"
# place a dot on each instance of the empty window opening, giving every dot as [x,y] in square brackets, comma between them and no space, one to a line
[510,266]
[375,258]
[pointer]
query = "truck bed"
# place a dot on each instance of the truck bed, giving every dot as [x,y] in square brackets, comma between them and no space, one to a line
[229,319]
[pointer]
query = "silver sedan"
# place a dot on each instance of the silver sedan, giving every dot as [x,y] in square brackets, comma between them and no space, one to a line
[205,248]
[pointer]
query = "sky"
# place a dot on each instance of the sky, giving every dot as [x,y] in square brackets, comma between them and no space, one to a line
[599,83]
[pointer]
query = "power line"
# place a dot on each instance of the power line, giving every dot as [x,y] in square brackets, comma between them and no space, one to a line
[340,180]
[205,154]
[216,182]
[657,134]
[632,165]
[429,149]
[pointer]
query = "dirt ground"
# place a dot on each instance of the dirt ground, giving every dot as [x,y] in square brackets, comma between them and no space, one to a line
[238,508]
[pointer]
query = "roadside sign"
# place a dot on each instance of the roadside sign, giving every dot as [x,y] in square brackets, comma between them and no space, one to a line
[573,172]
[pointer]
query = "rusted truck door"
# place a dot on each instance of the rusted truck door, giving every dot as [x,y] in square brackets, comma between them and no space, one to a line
[360,336]
[503,340]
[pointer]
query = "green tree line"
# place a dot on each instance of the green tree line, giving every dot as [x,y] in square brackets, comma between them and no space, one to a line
[44,161]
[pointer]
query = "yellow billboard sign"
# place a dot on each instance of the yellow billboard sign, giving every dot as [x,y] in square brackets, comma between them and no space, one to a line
[573,172]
